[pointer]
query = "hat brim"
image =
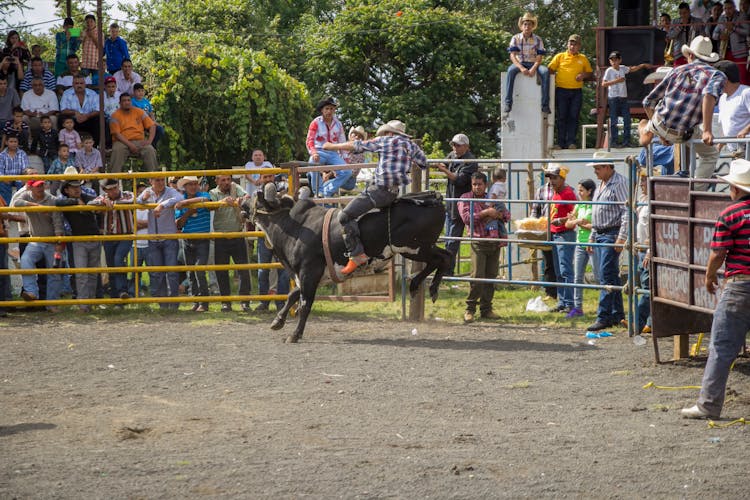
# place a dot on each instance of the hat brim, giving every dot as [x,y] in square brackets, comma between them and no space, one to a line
[71,184]
[522,20]
[384,129]
[711,58]
[734,182]
[595,163]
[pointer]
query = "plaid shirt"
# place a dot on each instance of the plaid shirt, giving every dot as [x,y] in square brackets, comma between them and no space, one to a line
[89,52]
[13,165]
[470,215]
[396,156]
[679,97]
[527,48]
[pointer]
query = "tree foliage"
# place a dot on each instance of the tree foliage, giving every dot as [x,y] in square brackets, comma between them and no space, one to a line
[220,101]
[437,70]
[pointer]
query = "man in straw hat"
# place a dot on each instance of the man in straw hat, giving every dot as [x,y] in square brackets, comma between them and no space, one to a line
[730,247]
[526,52]
[396,152]
[609,224]
[683,100]
[194,220]
[82,223]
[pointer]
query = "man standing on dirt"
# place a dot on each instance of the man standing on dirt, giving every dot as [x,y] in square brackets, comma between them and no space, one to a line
[485,255]
[730,247]
[609,226]
[459,182]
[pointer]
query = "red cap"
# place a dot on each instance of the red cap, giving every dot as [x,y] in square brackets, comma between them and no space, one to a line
[110,79]
[34,183]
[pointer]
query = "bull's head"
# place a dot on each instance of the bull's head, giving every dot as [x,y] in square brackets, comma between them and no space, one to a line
[265,201]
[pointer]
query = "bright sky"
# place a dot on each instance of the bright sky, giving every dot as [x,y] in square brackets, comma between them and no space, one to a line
[42,11]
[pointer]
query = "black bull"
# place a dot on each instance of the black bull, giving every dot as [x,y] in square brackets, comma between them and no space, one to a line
[295,233]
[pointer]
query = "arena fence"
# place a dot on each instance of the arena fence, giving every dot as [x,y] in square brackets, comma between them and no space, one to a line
[137,299]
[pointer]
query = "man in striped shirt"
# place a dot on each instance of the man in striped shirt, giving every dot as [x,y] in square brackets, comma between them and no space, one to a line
[192,220]
[116,222]
[37,71]
[731,247]
[397,153]
[609,226]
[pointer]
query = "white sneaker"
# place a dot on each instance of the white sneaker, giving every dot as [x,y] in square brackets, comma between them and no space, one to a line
[696,411]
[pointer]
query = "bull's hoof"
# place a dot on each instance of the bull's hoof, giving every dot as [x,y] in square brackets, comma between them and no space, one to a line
[278,324]
[291,339]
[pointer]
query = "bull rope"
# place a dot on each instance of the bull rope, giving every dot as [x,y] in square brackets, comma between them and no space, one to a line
[327,247]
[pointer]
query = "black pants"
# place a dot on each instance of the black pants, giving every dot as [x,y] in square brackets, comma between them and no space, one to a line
[372,197]
[549,273]
[236,250]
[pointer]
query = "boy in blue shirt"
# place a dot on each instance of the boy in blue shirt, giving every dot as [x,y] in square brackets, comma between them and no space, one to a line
[139,100]
[116,49]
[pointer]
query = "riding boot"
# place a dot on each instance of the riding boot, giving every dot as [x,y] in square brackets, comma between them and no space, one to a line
[350,234]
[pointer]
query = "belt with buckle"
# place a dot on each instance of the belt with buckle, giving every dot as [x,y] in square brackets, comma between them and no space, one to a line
[683,135]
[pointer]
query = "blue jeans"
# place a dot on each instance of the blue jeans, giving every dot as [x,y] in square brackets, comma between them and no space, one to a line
[644,302]
[610,310]
[510,80]
[564,263]
[164,253]
[618,106]
[454,228]
[568,107]
[264,257]
[115,255]
[728,330]
[580,259]
[33,253]
[330,187]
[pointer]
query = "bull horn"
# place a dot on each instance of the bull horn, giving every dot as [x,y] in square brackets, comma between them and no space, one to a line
[269,192]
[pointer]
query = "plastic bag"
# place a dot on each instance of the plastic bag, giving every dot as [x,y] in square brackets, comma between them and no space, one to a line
[537,305]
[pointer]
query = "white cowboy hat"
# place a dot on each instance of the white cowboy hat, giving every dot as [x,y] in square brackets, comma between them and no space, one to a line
[701,48]
[188,178]
[528,16]
[360,130]
[601,158]
[658,75]
[393,126]
[70,171]
[739,175]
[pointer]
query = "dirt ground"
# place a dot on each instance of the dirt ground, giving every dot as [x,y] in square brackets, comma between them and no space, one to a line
[179,407]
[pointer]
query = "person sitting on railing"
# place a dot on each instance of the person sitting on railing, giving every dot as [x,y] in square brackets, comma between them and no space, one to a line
[526,53]
[128,126]
[116,222]
[684,100]
[734,108]
[326,128]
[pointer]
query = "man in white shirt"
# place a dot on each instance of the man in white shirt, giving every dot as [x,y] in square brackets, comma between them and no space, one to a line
[126,77]
[734,107]
[39,102]
[258,161]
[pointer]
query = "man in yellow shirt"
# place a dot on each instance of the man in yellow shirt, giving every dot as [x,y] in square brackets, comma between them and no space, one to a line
[128,126]
[571,69]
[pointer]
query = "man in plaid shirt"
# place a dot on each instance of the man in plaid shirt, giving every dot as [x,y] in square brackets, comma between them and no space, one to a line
[683,100]
[397,152]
